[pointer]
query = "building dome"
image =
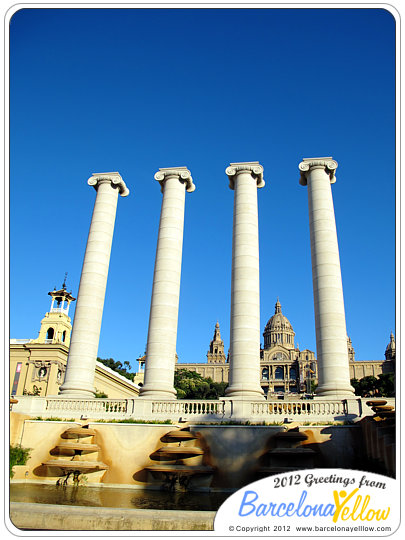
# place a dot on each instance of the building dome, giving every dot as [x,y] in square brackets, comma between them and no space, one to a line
[278,330]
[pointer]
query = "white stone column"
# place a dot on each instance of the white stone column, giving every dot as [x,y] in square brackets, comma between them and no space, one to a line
[163,318]
[80,369]
[330,321]
[244,364]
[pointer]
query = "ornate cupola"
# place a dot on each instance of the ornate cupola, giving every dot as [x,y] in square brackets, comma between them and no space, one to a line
[390,350]
[278,330]
[56,325]
[216,353]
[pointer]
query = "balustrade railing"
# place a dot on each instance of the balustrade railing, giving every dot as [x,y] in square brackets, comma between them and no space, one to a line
[299,408]
[195,408]
[108,406]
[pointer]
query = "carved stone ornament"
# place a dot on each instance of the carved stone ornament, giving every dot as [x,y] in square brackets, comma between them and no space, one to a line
[182,173]
[41,371]
[113,177]
[327,163]
[254,167]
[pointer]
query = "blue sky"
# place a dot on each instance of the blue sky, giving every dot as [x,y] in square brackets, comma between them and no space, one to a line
[132,90]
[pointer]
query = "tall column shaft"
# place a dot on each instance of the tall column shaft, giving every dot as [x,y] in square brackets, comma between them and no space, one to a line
[163,319]
[80,369]
[330,321]
[244,367]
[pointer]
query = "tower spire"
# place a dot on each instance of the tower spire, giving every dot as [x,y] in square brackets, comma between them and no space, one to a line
[216,353]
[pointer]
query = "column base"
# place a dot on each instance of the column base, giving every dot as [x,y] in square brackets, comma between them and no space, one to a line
[329,392]
[76,392]
[244,395]
[153,393]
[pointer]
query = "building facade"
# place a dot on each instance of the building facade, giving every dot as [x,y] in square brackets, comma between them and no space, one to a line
[38,366]
[284,368]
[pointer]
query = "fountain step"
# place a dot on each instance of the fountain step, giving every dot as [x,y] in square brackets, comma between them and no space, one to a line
[291,451]
[276,470]
[375,402]
[292,435]
[385,414]
[76,465]
[76,432]
[179,450]
[180,435]
[185,470]
[289,439]
[82,447]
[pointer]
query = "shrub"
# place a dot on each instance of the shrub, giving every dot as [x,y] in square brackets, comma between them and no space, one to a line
[18,456]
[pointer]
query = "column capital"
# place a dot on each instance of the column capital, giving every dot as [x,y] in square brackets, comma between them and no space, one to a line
[182,173]
[327,163]
[254,167]
[113,177]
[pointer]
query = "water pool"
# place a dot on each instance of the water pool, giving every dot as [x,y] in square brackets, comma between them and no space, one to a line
[115,497]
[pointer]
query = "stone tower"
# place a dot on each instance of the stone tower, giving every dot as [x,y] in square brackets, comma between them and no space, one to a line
[56,326]
[350,350]
[390,350]
[216,354]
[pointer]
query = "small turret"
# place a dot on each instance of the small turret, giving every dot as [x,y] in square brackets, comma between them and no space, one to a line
[56,325]
[390,349]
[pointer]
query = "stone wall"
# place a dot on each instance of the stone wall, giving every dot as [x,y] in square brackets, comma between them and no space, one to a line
[233,451]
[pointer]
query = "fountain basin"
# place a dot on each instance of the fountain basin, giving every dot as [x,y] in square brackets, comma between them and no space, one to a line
[179,435]
[184,470]
[77,432]
[70,466]
[177,452]
[73,448]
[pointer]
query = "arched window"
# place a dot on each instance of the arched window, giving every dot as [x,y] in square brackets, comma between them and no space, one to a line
[293,373]
[64,335]
[50,333]
[279,373]
[265,374]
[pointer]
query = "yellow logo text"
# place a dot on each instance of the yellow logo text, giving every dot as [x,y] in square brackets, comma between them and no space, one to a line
[349,508]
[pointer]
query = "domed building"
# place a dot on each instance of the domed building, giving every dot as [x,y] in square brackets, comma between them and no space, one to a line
[284,368]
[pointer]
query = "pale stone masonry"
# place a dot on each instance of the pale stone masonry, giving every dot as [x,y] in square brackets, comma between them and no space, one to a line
[163,319]
[330,322]
[80,370]
[244,369]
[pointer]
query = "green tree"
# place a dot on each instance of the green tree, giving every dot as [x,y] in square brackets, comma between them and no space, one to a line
[192,385]
[386,384]
[356,385]
[367,386]
[118,367]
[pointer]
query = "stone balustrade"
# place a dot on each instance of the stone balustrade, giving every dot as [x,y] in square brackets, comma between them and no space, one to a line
[86,407]
[226,409]
[195,408]
[299,408]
